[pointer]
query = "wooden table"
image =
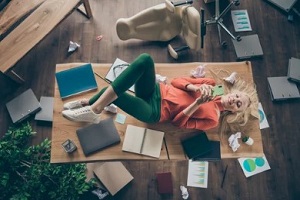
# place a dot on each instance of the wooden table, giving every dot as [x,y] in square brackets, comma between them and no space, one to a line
[172,149]
[47,15]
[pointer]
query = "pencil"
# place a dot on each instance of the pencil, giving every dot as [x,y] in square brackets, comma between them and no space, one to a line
[102,77]
[224,175]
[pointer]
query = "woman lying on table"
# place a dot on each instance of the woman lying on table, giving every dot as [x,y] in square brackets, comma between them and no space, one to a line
[186,103]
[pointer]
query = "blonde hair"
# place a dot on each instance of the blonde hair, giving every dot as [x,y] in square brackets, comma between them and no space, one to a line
[234,121]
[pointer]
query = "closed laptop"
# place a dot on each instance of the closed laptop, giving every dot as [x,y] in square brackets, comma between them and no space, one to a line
[23,106]
[96,137]
[196,145]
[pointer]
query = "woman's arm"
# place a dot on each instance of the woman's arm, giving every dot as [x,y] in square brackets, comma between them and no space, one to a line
[195,105]
[190,84]
[185,119]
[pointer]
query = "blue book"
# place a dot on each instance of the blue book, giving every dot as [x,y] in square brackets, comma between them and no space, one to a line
[76,80]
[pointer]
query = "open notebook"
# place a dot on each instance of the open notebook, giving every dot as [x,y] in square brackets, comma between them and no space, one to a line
[143,141]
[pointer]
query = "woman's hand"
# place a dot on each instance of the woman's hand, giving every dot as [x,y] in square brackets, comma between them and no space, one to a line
[204,89]
[204,98]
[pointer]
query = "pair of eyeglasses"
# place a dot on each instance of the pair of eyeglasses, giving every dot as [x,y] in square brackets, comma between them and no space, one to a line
[119,69]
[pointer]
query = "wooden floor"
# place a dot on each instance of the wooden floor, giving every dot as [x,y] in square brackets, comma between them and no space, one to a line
[279,39]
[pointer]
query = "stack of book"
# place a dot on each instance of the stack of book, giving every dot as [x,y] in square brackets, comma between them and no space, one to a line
[285,87]
[199,147]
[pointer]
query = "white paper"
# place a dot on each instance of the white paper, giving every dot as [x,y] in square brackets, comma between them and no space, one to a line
[263,122]
[240,20]
[116,69]
[197,174]
[252,166]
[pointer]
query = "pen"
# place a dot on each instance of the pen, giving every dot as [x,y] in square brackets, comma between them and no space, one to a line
[224,175]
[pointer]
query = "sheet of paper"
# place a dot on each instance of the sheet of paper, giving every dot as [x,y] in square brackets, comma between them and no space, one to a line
[116,69]
[197,174]
[120,118]
[263,122]
[252,166]
[240,20]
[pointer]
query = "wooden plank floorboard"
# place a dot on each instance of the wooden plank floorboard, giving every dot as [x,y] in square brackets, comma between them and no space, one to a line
[280,41]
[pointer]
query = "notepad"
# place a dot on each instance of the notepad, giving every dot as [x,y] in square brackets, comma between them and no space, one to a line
[23,106]
[76,80]
[196,145]
[96,137]
[143,141]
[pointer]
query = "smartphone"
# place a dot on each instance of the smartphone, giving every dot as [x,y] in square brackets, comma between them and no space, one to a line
[218,90]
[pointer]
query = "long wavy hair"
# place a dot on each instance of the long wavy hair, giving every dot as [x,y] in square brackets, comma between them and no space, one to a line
[233,122]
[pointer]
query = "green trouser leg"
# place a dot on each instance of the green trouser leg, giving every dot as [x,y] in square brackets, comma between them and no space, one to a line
[145,105]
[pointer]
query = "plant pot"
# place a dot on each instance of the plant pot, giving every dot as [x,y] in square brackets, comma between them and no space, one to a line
[250,141]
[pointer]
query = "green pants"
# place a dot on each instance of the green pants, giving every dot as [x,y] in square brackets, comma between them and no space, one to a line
[145,104]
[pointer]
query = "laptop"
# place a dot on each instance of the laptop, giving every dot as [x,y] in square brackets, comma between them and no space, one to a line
[96,137]
[294,70]
[213,155]
[282,89]
[196,145]
[46,113]
[23,106]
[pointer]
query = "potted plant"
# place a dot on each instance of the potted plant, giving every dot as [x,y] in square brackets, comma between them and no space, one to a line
[26,171]
[248,140]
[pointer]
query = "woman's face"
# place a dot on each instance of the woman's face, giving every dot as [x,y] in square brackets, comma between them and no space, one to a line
[235,101]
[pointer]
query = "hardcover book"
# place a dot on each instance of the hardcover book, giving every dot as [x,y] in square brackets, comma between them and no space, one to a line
[143,141]
[96,137]
[164,183]
[23,106]
[196,145]
[113,175]
[76,80]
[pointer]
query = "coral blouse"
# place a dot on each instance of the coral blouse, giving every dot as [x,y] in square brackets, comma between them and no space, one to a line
[175,98]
